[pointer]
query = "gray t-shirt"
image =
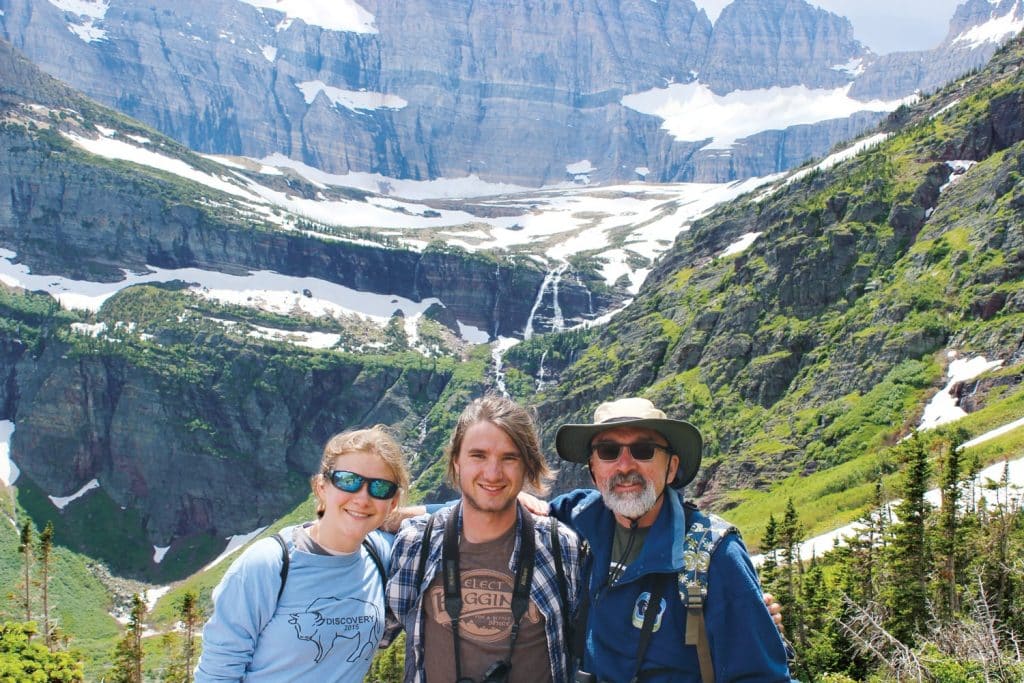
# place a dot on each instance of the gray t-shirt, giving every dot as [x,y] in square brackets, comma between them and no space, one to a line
[486,621]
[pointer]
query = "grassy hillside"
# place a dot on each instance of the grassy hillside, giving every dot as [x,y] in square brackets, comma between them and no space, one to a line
[804,358]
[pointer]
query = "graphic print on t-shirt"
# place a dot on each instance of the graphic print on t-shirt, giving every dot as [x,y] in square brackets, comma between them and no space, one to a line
[358,623]
[486,606]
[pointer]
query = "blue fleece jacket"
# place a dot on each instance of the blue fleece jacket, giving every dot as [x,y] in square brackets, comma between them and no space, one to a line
[326,626]
[745,645]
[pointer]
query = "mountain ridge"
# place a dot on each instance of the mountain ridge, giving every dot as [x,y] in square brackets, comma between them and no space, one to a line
[447,102]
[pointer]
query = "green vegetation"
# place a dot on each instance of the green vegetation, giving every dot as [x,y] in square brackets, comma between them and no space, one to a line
[926,595]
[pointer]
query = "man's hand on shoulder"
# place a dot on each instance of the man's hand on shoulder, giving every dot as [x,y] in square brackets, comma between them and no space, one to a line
[394,521]
[534,504]
[774,609]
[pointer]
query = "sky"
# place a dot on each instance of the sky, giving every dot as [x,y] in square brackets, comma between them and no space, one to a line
[882,25]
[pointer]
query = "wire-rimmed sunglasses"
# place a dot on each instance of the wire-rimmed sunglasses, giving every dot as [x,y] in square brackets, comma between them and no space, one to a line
[642,450]
[350,482]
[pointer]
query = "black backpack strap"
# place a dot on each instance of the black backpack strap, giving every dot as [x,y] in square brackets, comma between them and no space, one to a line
[651,613]
[421,566]
[285,561]
[563,590]
[375,556]
[579,624]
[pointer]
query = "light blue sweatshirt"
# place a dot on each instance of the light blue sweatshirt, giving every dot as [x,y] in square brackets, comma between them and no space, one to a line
[326,626]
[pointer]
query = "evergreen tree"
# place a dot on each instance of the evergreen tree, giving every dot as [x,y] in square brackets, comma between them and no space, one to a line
[907,595]
[790,535]
[128,652]
[191,615]
[389,664]
[25,548]
[823,651]
[45,546]
[769,544]
[946,545]
[23,660]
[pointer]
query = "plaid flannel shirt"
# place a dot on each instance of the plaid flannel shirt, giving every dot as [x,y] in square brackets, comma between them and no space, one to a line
[405,603]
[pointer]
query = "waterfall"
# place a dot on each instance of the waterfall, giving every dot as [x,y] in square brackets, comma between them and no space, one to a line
[551,279]
[557,321]
[540,371]
[498,349]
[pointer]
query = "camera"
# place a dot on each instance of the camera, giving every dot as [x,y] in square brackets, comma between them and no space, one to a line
[497,672]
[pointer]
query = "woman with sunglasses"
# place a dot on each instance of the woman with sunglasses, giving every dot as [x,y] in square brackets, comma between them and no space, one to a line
[320,614]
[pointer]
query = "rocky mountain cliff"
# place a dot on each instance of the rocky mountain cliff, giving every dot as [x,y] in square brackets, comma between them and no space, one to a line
[109,216]
[508,92]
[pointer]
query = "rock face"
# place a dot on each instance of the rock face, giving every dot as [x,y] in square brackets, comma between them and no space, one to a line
[221,454]
[511,92]
[107,218]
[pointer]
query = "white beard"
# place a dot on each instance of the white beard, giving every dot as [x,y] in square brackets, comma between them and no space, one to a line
[629,505]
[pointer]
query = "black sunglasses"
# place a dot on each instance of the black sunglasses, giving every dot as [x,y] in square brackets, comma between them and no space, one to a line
[609,450]
[350,482]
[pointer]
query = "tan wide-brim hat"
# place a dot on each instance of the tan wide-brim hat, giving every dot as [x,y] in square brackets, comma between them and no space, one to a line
[573,441]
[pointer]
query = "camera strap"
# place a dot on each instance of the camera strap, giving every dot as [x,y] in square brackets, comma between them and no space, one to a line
[453,583]
[650,614]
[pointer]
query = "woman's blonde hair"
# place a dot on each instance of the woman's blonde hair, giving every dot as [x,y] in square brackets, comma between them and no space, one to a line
[514,420]
[374,440]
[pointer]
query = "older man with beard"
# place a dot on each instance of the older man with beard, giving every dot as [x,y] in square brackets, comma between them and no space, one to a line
[636,525]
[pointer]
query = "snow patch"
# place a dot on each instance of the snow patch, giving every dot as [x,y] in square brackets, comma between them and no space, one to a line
[642,171]
[334,15]
[159,552]
[740,245]
[310,340]
[234,543]
[64,501]
[580,167]
[269,53]
[999,431]
[117,149]
[992,31]
[86,13]
[853,68]
[151,595]
[943,407]
[946,108]
[265,290]
[821,544]
[350,99]
[840,156]
[94,9]
[9,472]
[692,112]
[442,188]
[959,168]
[91,330]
